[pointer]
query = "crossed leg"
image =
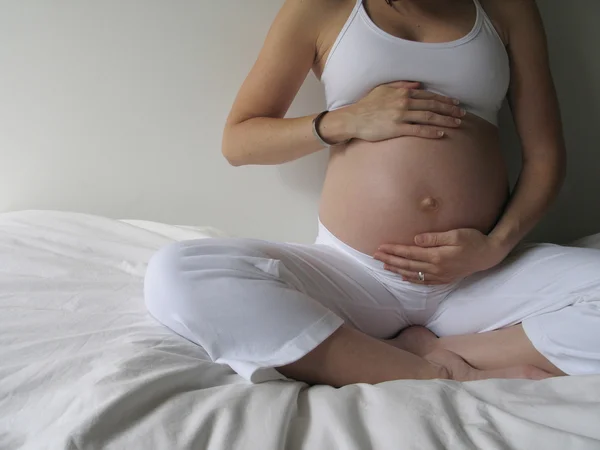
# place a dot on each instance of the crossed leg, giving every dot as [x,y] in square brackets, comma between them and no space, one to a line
[267,309]
[543,303]
[493,350]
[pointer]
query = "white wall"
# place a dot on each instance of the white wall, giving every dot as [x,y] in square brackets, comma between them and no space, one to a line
[116,108]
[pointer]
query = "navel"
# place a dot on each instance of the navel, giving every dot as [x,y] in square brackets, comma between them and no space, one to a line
[430,204]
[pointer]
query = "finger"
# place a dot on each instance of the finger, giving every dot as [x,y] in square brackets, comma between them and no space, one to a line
[435,106]
[413,277]
[404,84]
[403,263]
[410,252]
[431,118]
[427,95]
[420,130]
[438,239]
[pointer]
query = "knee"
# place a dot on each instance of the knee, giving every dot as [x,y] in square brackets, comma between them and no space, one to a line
[161,280]
[167,282]
[187,272]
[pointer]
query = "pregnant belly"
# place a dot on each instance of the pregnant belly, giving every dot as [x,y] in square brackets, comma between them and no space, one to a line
[390,191]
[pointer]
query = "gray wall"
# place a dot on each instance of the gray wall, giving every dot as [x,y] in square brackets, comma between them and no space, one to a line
[116,108]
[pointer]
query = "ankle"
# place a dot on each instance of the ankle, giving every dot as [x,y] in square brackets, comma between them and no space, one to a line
[437,368]
[447,364]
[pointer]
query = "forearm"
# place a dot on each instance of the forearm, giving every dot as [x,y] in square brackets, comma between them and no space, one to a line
[538,186]
[269,141]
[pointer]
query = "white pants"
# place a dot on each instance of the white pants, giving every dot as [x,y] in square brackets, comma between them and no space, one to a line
[256,305]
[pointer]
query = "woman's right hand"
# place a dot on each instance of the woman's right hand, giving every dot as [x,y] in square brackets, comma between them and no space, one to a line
[402,109]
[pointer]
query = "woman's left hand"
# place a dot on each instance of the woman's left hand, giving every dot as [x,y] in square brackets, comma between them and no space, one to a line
[442,257]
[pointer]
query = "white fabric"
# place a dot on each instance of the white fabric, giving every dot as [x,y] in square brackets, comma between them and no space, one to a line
[473,69]
[554,291]
[257,305]
[82,365]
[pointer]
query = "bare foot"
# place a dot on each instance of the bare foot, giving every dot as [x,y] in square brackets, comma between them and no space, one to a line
[416,340]
[459,370]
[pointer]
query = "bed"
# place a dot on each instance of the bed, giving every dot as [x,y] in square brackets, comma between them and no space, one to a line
[83,366]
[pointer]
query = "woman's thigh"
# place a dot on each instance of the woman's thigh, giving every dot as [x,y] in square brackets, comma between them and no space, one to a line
[245,283]
[535,279]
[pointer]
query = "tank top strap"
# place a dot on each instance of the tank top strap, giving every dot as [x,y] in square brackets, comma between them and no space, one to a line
[487,20]
[353,14]
[480,10]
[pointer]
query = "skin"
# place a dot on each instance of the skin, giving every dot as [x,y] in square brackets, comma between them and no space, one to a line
[400,191]
[457,253]
[509,348]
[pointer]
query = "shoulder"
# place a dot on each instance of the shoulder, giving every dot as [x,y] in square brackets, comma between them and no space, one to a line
[317,21]
[318,11]
[509,15]
[303,21]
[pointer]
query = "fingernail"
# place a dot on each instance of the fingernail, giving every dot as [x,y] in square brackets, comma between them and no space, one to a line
[440,133]
[463,112]
[458,121]
[456,101]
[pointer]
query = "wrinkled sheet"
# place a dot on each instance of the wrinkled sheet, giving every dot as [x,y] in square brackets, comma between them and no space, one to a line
[83,366]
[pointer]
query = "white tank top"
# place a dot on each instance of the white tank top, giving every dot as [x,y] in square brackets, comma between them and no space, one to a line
[474,69]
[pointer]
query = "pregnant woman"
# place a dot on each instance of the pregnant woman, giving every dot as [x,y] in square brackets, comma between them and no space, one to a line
[417,225]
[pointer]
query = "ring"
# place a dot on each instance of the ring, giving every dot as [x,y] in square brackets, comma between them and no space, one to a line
[421,276]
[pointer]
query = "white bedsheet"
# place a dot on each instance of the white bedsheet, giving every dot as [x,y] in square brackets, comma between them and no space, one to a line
[82,366]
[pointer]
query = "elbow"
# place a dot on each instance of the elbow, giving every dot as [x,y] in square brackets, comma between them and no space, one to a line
[228,150]
[562,166]
[551,164]
[562,176]
[233,159]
